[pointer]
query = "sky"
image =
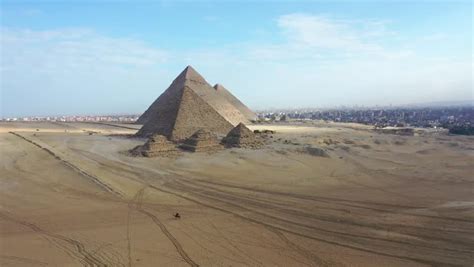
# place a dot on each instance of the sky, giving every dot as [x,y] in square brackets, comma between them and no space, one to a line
[116,57]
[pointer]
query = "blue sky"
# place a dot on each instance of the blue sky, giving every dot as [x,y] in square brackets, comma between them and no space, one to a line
[111,57]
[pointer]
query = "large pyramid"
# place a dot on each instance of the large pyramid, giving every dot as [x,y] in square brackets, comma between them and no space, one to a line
[222,91]
[226,104]
[189,104]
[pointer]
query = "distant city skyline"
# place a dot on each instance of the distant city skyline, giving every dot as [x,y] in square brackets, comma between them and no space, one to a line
[106,57]
[414,106]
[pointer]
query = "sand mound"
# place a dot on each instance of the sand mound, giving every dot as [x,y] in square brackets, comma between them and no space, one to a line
[397,131]
[314,151]
[426,151]
[364,146]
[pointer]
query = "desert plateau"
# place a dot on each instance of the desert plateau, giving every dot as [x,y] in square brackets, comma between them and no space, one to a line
[315,194]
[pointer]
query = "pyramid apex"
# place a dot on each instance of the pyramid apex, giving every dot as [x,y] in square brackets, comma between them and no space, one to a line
[218,86]
[189,73]
[190,68]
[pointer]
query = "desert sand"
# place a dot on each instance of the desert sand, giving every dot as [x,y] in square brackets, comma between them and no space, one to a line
[315,195]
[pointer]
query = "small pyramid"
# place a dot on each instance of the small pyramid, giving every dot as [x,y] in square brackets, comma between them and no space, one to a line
[201,141]
[155,146]
[241,136]
[227,95]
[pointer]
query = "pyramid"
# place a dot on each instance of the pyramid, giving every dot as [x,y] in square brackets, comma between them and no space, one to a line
[241,136]
[227,95]
[201,141]
[155,146]
[189,104]
[161,117]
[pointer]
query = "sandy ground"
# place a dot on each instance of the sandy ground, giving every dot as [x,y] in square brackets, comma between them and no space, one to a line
[70,196]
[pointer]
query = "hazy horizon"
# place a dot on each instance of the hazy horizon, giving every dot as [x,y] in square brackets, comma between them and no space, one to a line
[118,57]
[441,104]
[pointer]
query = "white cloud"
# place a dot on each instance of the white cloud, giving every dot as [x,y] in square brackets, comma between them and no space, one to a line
[326,62]
[316,37]
[100,72]
[323,32]
[320,61]
[73,49]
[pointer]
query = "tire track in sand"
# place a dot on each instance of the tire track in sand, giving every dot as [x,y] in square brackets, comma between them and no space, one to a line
[282,229]
[416,259]
[85,256]
[93,178]
[138,198]
[139,207]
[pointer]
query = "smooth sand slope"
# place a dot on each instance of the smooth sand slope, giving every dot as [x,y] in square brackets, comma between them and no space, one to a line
[318,195]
